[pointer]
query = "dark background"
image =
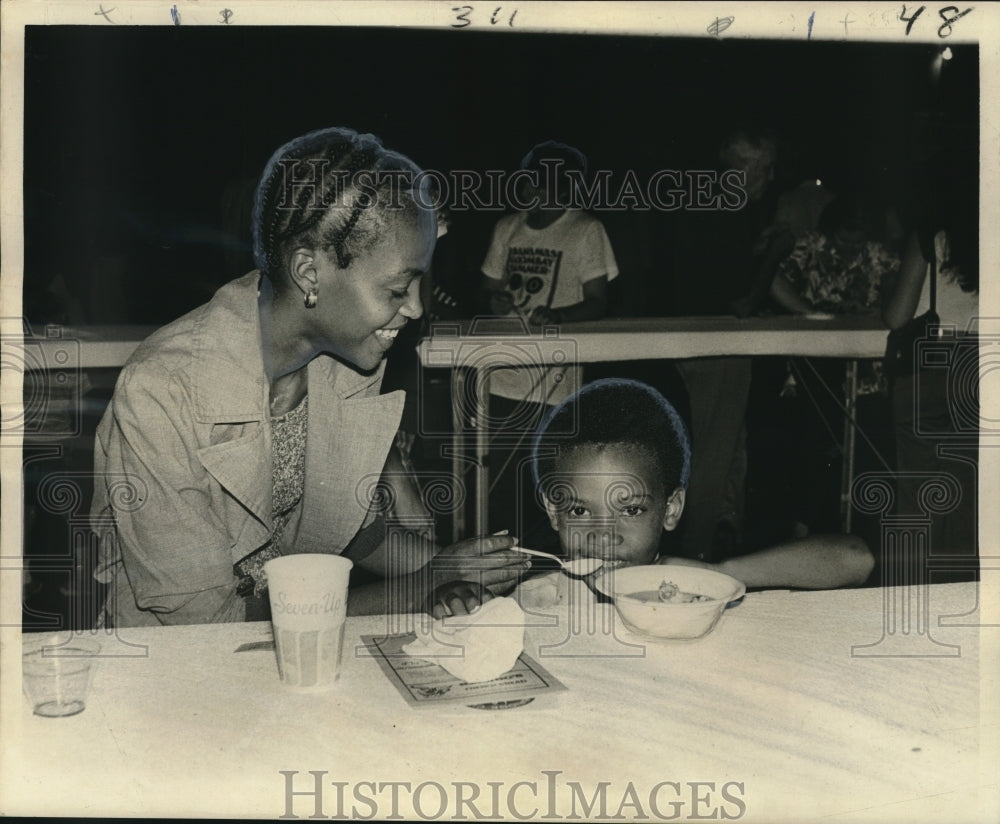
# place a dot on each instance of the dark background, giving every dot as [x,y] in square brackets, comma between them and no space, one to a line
[135,138]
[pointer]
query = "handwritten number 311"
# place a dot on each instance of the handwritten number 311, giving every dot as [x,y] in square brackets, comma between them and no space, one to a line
[462,18]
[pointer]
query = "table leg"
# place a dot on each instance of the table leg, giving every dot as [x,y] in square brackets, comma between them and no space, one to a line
[457,437]
[847,462]
[481,423]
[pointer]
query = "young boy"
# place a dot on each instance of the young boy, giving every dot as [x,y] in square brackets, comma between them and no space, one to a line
[614,486]
[618,482]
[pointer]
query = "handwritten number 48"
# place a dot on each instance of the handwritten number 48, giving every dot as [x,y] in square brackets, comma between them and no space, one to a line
[462,18]
[949,14]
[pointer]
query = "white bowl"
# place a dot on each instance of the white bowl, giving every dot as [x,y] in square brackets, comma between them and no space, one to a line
[664,619]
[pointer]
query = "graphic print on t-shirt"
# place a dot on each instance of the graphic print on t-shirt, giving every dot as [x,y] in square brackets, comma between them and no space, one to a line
[531,276]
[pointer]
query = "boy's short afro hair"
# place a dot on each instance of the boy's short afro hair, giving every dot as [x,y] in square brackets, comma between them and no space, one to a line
[615,411]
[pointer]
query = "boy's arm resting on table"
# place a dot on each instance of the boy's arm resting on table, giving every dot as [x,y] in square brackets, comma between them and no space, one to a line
[817,562]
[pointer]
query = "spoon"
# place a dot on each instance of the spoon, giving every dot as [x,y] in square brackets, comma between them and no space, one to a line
[578,567]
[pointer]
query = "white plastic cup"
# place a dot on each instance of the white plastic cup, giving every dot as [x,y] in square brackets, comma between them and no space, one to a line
[308,594]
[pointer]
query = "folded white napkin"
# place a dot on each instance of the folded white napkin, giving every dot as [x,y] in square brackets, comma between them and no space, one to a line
[476,647]
[542,591]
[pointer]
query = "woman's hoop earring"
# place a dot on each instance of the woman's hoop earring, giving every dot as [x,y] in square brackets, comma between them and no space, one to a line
[311,299]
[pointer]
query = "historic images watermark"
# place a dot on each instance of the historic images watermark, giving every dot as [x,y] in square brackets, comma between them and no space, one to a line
[488,344]
[549,187]
[41,425]
[53,380]
[407,533]
[313,794]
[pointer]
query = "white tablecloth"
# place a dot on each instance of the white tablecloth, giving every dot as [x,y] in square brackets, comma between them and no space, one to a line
[771,711]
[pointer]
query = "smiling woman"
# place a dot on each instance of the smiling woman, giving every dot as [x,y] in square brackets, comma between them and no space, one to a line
[253,426]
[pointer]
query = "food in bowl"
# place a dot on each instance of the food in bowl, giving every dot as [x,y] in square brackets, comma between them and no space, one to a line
[682,603]
[668,593]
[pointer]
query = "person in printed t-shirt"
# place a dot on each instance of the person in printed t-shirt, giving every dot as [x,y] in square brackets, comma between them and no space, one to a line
[549,263]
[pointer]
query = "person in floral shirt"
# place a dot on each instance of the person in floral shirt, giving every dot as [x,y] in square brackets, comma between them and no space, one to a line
[837,269]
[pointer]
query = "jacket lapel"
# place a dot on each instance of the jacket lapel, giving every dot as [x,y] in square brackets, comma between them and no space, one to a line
[243,467]
[230,394]
[350,432]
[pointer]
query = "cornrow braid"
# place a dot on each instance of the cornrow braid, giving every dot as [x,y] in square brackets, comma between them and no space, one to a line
[286,205]
[364,160]
[343,257]
[290,207]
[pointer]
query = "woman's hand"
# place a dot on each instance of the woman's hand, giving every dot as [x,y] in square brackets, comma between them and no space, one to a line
[457,598]
[487,561]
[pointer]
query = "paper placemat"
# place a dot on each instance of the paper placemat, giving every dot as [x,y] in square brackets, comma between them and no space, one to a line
[423,683]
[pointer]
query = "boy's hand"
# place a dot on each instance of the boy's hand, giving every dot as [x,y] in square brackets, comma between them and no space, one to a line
[487,561]
[540,316]
[501,303]
[457,598]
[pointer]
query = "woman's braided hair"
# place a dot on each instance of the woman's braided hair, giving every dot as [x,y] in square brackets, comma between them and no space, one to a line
[330,189]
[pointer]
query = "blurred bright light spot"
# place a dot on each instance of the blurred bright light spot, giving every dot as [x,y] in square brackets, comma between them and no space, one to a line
[946,54]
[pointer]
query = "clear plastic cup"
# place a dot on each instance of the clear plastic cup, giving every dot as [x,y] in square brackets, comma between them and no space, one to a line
[56,673]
